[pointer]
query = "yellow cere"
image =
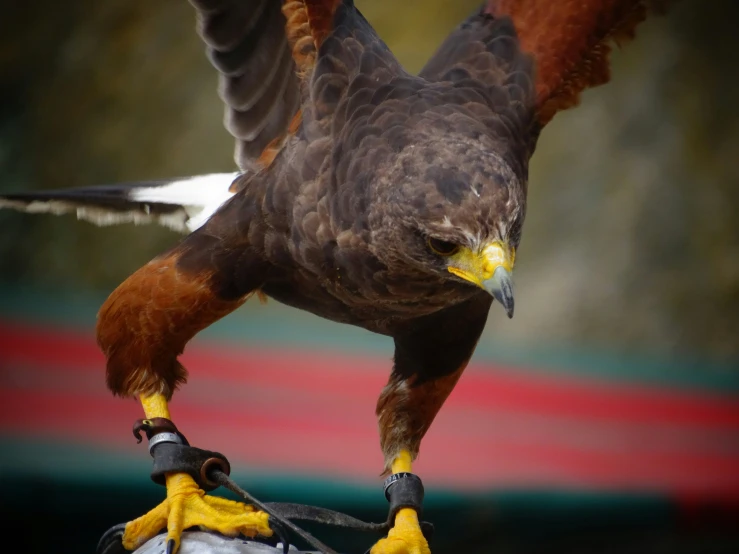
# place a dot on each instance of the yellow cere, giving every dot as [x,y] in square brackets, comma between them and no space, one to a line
[477,267]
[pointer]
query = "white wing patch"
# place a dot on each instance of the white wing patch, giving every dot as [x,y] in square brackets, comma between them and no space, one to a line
[195,198]
[199,196]
[176,220]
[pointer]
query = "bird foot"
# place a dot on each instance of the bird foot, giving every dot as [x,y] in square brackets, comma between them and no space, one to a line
[404,538]
[188,506]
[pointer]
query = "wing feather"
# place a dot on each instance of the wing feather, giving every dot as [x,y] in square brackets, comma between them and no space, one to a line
[263,50]
[569,41]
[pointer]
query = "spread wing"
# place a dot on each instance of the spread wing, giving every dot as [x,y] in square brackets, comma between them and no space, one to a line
[272,79]
[263,49]
[569,40]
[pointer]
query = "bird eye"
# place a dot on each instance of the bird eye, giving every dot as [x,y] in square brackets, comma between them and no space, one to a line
[442,247]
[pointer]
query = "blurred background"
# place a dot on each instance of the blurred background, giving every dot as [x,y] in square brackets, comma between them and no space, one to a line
[604,416]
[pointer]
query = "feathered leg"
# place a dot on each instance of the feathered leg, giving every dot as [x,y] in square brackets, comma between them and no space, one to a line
[430,356]
[144,326]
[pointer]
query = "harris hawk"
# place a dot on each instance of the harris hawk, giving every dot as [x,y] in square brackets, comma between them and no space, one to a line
[366,195]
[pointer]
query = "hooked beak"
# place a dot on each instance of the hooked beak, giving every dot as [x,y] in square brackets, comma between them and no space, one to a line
[500,285]
[490,269]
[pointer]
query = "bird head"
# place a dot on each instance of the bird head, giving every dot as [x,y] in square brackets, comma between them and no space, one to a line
[453,209]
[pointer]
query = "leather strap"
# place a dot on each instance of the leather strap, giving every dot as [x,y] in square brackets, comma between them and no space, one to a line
[196,462]
[403,490]
[173,454]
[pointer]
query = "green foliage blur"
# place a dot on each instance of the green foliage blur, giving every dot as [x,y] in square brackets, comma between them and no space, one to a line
[631,241]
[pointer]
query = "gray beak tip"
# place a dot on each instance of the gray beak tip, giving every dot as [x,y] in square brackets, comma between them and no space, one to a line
[500,286]
[509,310]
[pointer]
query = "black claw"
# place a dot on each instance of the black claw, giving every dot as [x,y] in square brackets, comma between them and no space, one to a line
[281,533]
[171,546]
[111,541]
[427,529]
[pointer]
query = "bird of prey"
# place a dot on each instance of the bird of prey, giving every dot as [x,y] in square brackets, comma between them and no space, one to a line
[365,195]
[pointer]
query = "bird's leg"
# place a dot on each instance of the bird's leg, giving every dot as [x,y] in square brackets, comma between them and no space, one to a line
[405,537]
[404,414]
[143,327]
[187,505]
[430,355]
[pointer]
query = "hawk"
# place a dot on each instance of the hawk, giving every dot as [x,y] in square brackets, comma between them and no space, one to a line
[366,195]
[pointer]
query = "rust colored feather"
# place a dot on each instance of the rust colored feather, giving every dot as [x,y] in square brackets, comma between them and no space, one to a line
[309,22]
[405,411]
[321,17]
[571,42]
[147,321]
[273,148]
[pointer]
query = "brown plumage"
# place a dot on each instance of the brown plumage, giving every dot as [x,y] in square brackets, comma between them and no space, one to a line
[367,195]
[351,166]
[571,41]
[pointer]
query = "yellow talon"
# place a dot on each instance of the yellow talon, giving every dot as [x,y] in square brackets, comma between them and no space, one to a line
[188,506]
[405,537]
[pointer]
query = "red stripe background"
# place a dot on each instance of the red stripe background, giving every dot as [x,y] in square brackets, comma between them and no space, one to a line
[313,412]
